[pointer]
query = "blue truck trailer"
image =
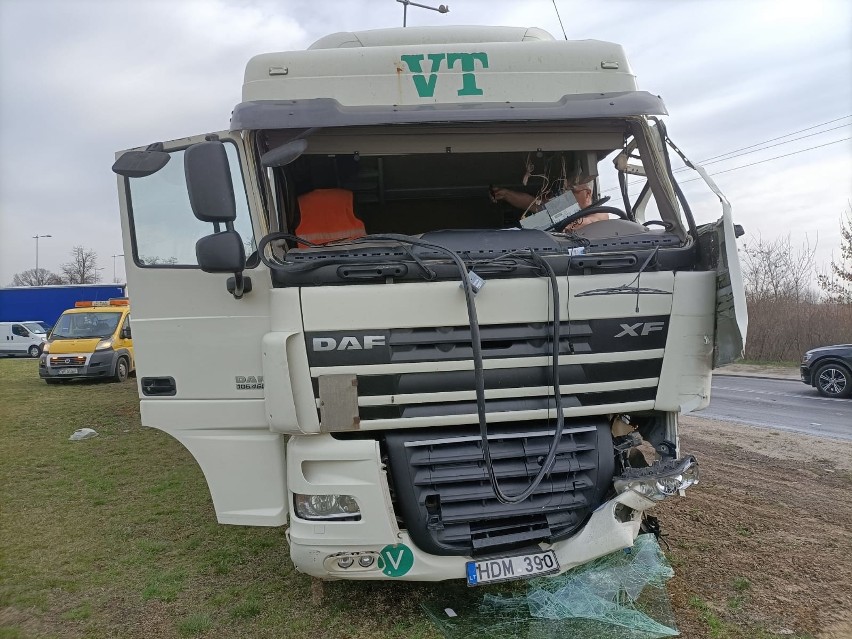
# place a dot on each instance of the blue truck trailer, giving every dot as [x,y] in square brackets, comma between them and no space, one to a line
[46,303]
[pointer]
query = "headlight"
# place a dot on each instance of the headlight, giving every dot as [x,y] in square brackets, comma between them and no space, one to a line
[807,357]
[660,480]
[45,348]
[326,507]
[104,345]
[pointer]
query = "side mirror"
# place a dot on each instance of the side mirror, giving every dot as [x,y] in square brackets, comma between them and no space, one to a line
[284,154]
[224,253]
[125,333]
[208,182]
[211,195]
[136,164]
[221,252]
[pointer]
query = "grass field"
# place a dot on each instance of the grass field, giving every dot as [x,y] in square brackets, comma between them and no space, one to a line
[116,536]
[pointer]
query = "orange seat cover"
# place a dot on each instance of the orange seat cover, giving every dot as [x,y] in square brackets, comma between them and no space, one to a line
[328,215]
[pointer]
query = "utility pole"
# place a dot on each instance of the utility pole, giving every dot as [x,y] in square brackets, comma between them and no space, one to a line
[113,264]
[440,9]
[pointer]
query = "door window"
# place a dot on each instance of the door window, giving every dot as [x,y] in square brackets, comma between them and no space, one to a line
[20,331]
[164,227]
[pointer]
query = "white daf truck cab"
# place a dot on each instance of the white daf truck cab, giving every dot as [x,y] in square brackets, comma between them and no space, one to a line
[452,388]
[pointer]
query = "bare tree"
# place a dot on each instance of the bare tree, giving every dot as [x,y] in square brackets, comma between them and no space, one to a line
[83,267]
[837,282]
[35,277]
[156,260]
[777,271]
[782,306]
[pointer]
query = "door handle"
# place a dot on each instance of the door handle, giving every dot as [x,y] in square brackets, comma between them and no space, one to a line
[159,386]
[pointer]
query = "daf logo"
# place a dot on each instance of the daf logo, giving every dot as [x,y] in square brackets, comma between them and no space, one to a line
[348,343]
[634,330]
[249,382]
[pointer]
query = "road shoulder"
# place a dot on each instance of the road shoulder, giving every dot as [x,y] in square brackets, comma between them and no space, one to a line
[759,370]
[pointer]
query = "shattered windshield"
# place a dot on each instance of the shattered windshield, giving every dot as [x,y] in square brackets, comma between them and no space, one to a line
[86,325]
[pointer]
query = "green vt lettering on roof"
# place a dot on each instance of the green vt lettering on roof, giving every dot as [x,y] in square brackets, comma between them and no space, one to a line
[465,61]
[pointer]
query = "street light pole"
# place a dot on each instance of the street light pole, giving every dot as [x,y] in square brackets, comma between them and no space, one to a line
[440,9]
[113,265]
[35,237]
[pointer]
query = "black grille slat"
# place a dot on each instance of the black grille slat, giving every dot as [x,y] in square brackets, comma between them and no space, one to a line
[471,450]
[455,409]
[445,497]
[526,536]
[532,506]
[453,475]
[488,333]
[399,384]
[450,494]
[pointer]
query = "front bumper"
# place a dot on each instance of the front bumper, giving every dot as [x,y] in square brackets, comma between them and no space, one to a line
[322,465]
[805,373]
[604,533]
[100,364]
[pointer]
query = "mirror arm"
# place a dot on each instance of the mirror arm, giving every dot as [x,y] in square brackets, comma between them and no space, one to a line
[238,285]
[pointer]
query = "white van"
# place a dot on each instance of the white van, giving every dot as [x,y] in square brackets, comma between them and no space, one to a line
[22,338]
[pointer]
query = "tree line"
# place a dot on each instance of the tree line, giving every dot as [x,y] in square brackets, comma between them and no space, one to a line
[787,315]
[82,268]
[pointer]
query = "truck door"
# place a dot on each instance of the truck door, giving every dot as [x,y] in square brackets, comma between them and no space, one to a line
[196,346]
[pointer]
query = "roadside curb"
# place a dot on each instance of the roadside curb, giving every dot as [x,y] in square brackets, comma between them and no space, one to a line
[789,378]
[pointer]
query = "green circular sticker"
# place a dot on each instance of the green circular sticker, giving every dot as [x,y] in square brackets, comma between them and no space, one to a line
[396,560]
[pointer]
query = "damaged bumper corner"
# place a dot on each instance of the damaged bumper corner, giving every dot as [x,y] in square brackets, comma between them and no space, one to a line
[659,480]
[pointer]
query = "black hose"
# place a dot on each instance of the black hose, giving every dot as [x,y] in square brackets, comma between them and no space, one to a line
[476,344]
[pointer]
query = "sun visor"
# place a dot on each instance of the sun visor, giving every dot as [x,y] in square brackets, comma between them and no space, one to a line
[328,112]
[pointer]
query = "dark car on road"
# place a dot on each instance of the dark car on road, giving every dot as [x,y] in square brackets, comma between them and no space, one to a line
[829,370]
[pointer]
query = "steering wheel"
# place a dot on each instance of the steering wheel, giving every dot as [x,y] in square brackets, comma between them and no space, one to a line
[666,225]
[596,207]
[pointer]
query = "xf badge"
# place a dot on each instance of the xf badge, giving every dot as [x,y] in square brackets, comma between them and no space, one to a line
[642,328]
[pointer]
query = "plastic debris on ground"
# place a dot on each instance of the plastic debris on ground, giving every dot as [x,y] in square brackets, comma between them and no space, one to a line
[619,596]
[83,433]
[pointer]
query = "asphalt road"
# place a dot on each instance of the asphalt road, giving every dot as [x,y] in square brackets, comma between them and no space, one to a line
[779,404]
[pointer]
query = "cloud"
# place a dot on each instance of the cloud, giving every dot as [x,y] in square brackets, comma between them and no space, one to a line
[81,79]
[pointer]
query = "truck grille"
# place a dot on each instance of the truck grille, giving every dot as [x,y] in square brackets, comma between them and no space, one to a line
[422,374]
[445,499]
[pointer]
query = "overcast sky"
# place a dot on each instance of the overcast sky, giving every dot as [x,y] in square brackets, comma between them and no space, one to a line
[80,80]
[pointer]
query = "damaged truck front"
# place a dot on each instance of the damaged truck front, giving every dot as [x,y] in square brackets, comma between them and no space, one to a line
[453,388]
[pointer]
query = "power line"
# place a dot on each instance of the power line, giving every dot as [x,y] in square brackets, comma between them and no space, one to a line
[777,157]
[723,159]
[778,138]
[713,159]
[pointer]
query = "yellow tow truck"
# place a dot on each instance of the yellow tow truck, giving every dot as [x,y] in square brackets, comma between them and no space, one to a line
[91,340]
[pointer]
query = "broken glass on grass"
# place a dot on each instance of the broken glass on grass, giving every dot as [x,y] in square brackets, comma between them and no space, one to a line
[619,596]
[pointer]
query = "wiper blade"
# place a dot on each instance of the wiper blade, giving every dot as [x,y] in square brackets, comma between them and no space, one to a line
[630,288]
[624,290]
